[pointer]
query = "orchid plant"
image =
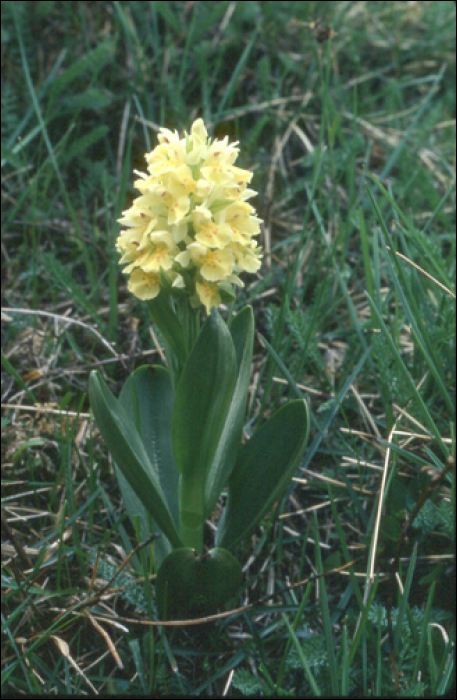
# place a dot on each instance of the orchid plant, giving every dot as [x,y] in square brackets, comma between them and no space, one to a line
[175,433]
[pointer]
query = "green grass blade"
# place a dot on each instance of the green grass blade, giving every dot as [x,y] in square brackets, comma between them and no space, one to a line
[427,249]
[302,657]
[324,607]
[363,621]
[231,86]
[423,634]
[402,367]
[346,554]
[345,664]
[296,622]
[367,264]
[415,121]
[413,313]
[404,599]
[42,124]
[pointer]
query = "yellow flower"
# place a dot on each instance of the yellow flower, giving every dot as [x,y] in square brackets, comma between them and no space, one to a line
[191,215]
[144,285]
[208,294]
[208,231]
[216,265]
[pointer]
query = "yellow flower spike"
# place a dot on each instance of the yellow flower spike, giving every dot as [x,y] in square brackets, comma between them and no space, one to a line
[191,215]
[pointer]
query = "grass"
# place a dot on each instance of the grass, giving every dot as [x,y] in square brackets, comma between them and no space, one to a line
[350,585]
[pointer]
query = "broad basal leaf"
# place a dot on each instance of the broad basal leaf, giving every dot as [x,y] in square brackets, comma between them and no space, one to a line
[264,467]
[148,398]
[192,585]
[123,441]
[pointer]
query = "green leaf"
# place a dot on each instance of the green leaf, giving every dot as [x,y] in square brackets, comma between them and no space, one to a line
[264,467]
[148,398]
[165,318]
[129,453]
[202,401]
[192,585]
[242,331]
[33,442]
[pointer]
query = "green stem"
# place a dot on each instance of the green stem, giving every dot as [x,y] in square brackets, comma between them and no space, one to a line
[192,537]
[191,513]
[190,321]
